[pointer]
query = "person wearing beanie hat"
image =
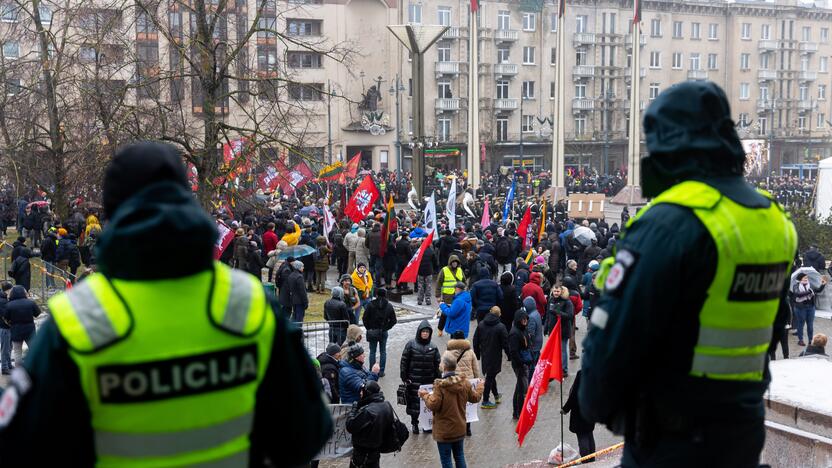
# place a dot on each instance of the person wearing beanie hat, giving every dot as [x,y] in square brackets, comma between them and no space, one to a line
[363,282]
[353,376]
[379,318]
[369,422]
[706,219]
[136,313]
[337,315]
[351,297]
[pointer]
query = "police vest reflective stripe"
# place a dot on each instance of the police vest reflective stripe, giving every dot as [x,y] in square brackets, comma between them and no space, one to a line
[449,279]
[735,322]
[382,186]
[167,391]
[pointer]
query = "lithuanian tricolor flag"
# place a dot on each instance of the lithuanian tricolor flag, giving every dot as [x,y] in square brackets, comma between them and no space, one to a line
[331,172]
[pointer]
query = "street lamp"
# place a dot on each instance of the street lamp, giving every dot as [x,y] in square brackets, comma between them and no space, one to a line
[396,89]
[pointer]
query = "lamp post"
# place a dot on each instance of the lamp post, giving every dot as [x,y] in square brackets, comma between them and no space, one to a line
[396,89]
[608,97]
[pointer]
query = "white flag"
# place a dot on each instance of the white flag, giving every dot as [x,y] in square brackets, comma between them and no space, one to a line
[430,216]
[450,208]
[329,221]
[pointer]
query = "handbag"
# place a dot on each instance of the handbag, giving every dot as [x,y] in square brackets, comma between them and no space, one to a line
[401,394]
[395,438]
[526,356]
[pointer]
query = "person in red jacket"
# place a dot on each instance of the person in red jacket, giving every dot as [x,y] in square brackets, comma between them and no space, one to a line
[532,289]
[269,239]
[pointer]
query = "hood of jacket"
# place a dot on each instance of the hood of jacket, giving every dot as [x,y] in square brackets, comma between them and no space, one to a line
[424,326]
[536,278]
[464,296]
[522,265]
[530,305]
[507,279]
[162,222]
[484,273]
[520,315]
[371,398]
[451,383]
[460,345]
[488,249]
[17,292]
[353,332]
[453,258]
[490,320]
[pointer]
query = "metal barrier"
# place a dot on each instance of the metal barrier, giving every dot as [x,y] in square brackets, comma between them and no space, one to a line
[47,279]
[318,335]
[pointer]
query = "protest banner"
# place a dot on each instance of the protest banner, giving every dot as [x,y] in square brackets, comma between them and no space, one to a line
[426,415]
[340,444]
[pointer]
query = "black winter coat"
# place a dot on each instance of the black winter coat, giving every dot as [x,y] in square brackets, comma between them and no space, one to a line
[22,270]
[336,309]
[297,289]
[3,301]
[329,370]
[20,312]
[49,248]
[559,307]
[403,252]
[430,264]
[518,340]
[379,315]
[577,423]
[281,280]
[485,294]
[447,244]
[509,305]
[419,366]
[490,342]
[369,422]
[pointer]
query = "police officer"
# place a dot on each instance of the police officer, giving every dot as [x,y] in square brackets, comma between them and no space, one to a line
[692,297]
[165,358]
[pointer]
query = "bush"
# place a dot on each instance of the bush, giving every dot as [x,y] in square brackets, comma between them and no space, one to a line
[810,231]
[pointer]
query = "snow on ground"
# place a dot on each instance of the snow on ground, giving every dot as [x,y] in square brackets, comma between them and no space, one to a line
[803,382]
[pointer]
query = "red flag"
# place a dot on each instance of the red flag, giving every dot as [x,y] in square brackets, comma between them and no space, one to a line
[351,169]
[388,227]
[362,201]
[411,271]
[525,228]
[475,4]
[549,366]
[224,239]
[636,11]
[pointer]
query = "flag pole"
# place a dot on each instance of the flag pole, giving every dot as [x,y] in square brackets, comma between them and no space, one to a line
[561,415]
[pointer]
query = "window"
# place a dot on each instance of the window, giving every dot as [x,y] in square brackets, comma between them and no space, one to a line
[765,31]
[527,123]
[11,50]
[763,125]
[303,59]
[744,91]
[266,58]
[694,31]
[503,20]
[528,55]
[801,122]
[745,60]
[13,86]
[821,120]
[9,12]
[175,24]
[144,23]
[804,92]
[580,57]
[303,27]
[677,30]
[804,63]
[764,93]
[745,31]
[656,28]
[503,55]
[305,91]
[713,32]
[821,92]
[444,88]
[580,125]
[502,129]
[529,21]
[551,90]
[443,52]
[764,58]
[528,90]
[553,26]
[824,35]
[46,15]
[581,22]
[267,27]
[823,65]
[414,14]
[677,60]
[655,59]
[713,62]
[502,89]
[742,122]
[554,58]
[443,15]
[580,91]
[654,91]
[443,129]
[807,33]
[87,53]
[694,62]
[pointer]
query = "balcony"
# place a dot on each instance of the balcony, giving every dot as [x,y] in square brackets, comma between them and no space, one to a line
[808,47]
[505,69]
[766,75]
[506,104]
[626,105]
[485,33]
[583,39]
[697,75]
[767,45]
[642,74]
[450,68]
[807,76]
[456,32]
[764,105]
[628,40]
[506,35]
[805,105]
[582,104]
[448,105]
[484,69]
[583,71]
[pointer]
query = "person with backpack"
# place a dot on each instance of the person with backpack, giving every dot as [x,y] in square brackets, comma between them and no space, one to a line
[504,253]
[330,367]
[370,422]
[379,318]
[448,401]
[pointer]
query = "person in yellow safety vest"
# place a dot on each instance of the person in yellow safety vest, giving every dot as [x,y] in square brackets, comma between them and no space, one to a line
[166,357]
[693,297]
[445,281]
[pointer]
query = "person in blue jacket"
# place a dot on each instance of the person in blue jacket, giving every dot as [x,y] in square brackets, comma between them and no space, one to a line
[353,375]
[485,294]
[458,314]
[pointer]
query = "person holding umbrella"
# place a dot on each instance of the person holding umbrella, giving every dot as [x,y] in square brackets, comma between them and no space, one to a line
[804,305]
